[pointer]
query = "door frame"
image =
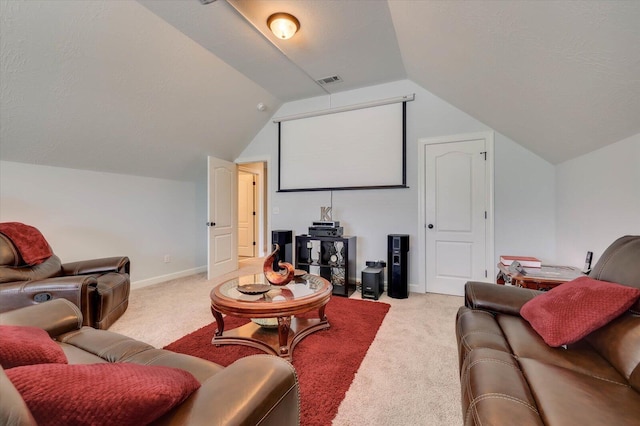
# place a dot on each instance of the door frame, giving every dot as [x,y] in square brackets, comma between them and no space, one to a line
[422,220]
[264,201]
[256,207]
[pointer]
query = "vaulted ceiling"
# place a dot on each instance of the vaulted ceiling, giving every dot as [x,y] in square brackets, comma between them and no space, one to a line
[150,87]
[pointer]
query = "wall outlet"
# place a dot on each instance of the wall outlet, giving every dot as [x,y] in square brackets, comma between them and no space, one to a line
[167,258]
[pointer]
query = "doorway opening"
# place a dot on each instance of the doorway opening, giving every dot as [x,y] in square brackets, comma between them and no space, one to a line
[252,208]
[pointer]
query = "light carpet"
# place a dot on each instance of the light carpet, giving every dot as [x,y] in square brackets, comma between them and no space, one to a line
[408,377]
[326,361]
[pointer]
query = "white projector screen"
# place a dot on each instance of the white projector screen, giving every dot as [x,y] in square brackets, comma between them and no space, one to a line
[355,149]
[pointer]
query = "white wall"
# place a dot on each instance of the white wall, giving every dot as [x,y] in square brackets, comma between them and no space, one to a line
[598,199]
[524,202]
[373,214]
[86,215]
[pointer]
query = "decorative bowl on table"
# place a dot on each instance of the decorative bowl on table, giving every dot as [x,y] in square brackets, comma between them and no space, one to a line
[254,288]
[266,322]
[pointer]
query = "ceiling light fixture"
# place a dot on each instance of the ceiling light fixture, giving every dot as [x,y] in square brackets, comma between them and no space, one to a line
[283,25]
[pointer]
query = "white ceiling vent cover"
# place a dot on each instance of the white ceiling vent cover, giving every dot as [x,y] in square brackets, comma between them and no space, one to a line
[329,80]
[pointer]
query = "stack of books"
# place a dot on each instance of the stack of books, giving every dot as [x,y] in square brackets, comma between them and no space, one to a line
[525,261]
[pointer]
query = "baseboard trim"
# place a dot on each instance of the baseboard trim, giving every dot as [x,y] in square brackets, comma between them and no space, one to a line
[168,277]
[415,288]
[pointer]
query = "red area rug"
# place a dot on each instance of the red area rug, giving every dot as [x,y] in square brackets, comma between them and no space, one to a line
[326,361]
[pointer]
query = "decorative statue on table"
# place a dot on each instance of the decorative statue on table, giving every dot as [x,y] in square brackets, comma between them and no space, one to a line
[281,277]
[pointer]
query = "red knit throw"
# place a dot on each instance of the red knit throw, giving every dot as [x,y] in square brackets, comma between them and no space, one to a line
[31,244]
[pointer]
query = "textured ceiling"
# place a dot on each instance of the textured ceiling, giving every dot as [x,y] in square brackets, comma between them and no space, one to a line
[219,28]
[109,86]
[151,87]
[561,78]
[353,39]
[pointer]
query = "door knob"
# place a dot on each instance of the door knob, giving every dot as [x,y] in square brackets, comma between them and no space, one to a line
[430,226]
[211,224]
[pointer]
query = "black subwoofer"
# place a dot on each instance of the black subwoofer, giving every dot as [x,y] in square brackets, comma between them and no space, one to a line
[373,280]
[398,266]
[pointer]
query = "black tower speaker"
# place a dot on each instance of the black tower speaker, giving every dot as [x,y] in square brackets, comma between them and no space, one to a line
[398,266]
[285,240]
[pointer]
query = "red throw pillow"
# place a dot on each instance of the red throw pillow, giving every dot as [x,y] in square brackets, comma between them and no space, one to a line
[23,345]
[572,310]
[101,394]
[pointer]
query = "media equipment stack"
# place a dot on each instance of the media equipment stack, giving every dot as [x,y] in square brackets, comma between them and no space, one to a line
[326,228]
[325,251]
[398,260]
[284,238]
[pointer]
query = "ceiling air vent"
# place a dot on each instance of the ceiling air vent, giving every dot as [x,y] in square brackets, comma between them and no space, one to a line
[329,80]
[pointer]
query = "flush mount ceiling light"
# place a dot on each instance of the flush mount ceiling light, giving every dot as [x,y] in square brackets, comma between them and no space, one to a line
[283,25]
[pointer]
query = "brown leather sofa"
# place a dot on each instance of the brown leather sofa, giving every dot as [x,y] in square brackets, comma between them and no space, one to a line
[509,376]
[99,287]
[256,390]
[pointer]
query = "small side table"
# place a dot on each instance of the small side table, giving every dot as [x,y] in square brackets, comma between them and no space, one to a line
[544,278]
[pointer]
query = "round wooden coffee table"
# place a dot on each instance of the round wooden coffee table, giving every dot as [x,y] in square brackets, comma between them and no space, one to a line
[276,310]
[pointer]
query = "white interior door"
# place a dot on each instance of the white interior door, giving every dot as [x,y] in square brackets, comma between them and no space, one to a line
[223,217]
[246,214]
[455,215]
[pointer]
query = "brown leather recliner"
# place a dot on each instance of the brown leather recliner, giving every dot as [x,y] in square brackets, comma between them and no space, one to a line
[261,390]
[99,287]
[509,375]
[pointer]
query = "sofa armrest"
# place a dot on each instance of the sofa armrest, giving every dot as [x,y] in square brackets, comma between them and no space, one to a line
[55,316]
[75,289]
[97,266]
[497,298]
[47,269]
[255,390]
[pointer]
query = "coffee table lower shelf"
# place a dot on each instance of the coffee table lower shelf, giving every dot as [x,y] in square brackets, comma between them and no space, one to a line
[278,341]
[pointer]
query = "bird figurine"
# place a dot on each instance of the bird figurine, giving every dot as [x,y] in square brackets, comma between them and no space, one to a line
[281,277]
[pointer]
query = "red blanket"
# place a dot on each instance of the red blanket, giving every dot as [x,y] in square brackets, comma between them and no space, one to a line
[30,243]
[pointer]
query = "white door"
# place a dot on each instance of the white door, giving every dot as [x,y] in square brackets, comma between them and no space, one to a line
[455,215]
[246,214]
[222,213]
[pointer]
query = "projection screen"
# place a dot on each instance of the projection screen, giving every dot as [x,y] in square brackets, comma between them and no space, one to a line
[360,148]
